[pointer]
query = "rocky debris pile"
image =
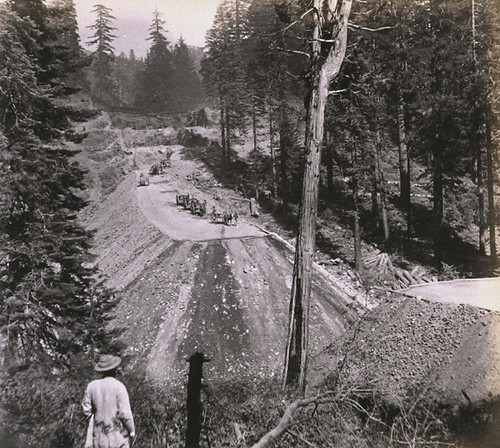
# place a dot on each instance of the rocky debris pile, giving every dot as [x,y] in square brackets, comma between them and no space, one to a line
[475,368]
[203,180]
[149,137]
[404,344]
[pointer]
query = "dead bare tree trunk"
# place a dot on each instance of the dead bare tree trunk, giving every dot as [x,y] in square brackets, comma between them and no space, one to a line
[326,60]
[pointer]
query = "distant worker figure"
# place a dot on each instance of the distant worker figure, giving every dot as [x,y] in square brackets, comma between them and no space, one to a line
[254,209]
[107,404]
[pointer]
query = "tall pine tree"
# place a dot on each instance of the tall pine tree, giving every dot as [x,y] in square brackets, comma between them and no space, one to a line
[223,72]
[155,83]
[103,82]
[44,285]
[187,82]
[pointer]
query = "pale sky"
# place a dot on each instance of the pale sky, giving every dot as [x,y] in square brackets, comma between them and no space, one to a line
[189,18]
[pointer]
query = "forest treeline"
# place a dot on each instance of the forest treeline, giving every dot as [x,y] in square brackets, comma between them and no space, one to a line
[166,80]
[53,309]
[411,117]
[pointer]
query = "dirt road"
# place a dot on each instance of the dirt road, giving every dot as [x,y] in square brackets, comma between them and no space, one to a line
[480,292]
[189,285]
[157,202]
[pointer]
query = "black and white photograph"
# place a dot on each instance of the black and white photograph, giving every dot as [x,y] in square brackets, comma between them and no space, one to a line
[249,223]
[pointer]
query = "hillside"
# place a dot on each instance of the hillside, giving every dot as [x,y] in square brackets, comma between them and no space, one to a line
[187,284]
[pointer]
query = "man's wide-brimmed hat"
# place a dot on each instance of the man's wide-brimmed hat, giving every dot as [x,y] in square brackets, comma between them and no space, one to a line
[107,362]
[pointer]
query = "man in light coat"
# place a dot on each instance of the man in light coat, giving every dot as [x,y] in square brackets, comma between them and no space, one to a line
[107,404]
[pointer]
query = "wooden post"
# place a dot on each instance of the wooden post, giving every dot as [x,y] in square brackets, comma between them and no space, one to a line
[193,431]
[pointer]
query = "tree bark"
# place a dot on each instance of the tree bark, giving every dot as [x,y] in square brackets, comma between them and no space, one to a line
[381,189]
[477,145]
[438,203]
[480,192]
[323,71]
[273,156]
[404,166]
[491,193]
[329,166]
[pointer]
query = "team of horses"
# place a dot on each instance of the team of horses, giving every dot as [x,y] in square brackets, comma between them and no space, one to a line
[189,202]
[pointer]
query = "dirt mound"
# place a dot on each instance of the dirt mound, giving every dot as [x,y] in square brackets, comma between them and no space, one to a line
[474,370]
[407,346]
[226,298]
[124,241]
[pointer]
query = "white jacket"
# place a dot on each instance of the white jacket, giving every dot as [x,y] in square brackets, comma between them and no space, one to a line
[107,401]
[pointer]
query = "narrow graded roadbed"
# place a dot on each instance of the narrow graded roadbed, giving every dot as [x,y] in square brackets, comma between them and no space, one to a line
[157,202]
[187,284]
[478,292]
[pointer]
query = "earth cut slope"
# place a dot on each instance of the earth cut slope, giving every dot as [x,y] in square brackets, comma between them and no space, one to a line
[190,285]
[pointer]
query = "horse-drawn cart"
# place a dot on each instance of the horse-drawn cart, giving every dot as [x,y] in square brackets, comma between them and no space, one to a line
[189,202]
[143,180]
[198,207]
[226,218]
[183,199]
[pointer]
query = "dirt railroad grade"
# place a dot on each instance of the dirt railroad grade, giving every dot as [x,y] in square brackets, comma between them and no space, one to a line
[190,285]
[479,292]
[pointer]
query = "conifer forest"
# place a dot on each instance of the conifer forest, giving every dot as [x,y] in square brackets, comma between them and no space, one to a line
[311,200]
